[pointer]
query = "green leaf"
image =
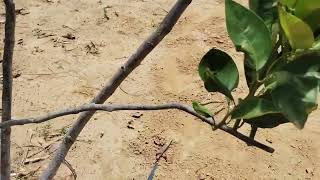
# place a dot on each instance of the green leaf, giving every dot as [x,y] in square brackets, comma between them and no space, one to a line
[201,109]
[304,63]
[304,8]
[307,61]
[253,107]
[299,34]
[296,97]
[313,19]
[219,72]
[266,9]
[267,121]
[248,33]
[250,74]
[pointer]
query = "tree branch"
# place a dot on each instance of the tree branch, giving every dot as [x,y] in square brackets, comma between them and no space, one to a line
[103,107]
[7,87]
[120,107]
[134,61]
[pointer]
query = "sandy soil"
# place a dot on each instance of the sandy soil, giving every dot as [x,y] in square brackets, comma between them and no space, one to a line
[52,72]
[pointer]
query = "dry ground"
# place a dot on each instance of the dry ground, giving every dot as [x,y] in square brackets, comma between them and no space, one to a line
[52,72]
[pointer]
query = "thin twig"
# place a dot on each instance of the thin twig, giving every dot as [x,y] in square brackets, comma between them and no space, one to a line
[159,155]
[37,159]
[140,107]
[45,147]
[134,61]
[73,171]
[163,150]
[128,92]
[7,88]
[211,102]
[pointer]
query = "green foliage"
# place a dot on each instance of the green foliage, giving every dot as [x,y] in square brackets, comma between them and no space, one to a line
[300,64]
[281,45]
[295,97]
[299,34]
[304,8]
[313,20]
[253,107]
[267,121]
[219,72]
[248,33]
[266,9]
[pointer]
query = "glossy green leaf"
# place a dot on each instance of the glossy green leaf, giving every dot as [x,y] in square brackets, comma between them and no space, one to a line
[299,34]
[300,64]
[304,63]
[201,109]
[248,33]
[267,121]
[253,107]
[266,9]
[296,97]
[219,72]
[304,8]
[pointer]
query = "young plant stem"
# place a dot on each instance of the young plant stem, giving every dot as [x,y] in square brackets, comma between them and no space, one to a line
[7,88]
[223,121]
[252,90]
[134,61]
[236,124]
[253,132]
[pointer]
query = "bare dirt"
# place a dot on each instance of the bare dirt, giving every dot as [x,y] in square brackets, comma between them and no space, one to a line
[66,50]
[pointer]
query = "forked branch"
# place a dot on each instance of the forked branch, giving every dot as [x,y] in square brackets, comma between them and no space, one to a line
[134,61]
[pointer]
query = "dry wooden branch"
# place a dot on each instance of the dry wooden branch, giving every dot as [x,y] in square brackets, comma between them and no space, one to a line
[134,61]
[101,107]
[139,107]
[7,87]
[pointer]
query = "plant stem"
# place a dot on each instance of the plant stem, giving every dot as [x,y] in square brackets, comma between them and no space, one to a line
[223,121]
[236,124]
[253,132]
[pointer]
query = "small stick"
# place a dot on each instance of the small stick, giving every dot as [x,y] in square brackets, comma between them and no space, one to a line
[161,151]
[69,166]
[34,160]
[45,147]
[159,155]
